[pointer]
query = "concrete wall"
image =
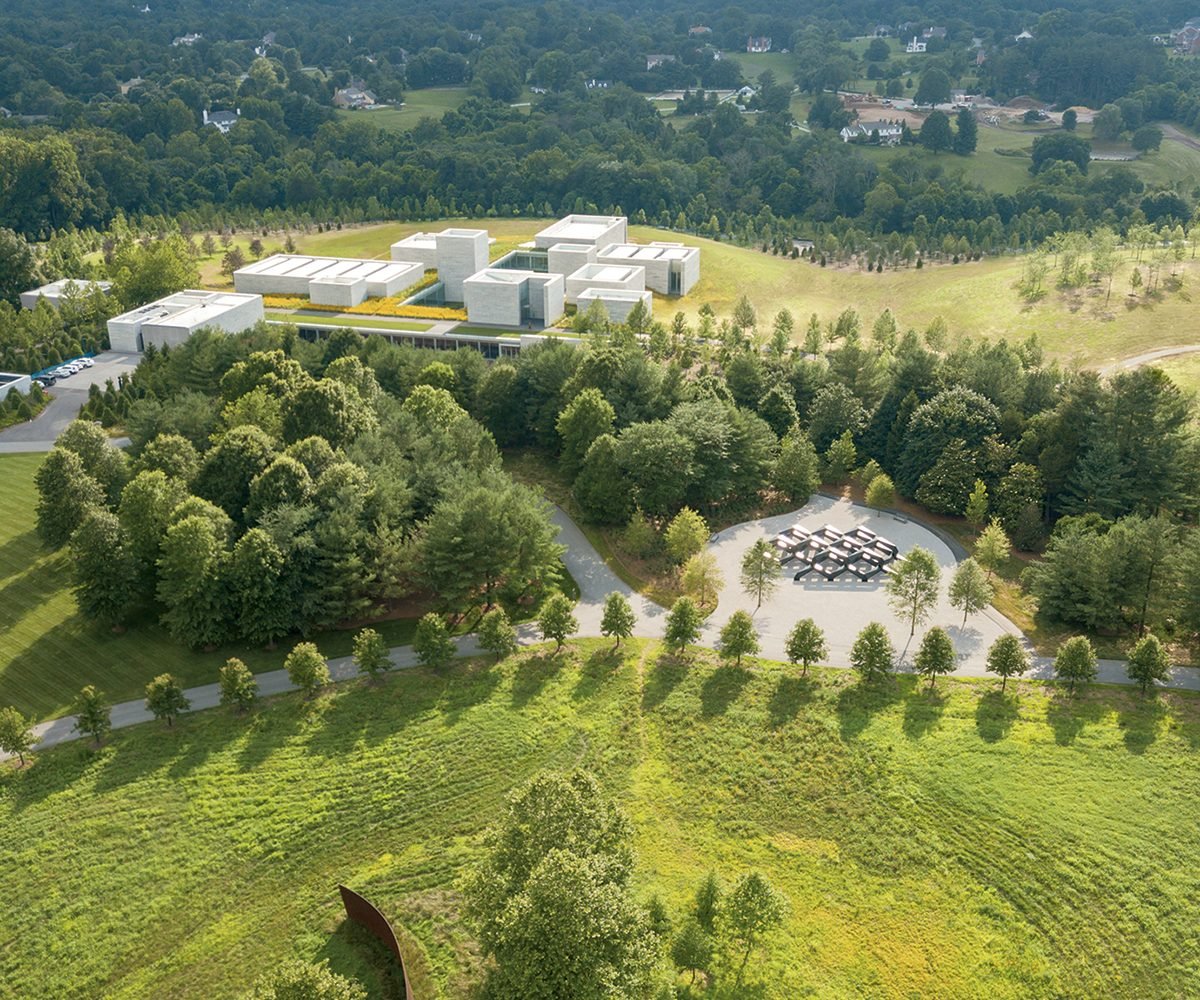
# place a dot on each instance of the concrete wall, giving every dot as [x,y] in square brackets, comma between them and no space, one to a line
[173,331]
[125,336]
[343,292]
[592,230]
[604,276]
[617,305]
[547,297]
[21,383]
[380,287]
[492,303]
[566,258]
[460,254]
[418,249]
[690,273]
[56,291]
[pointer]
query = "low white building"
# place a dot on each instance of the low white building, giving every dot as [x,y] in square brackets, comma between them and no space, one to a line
[56,291]
[172,320]
[10,381]
[295,274]
[624,277]
[567,258]
[590,230]
[671,268]
[618,303]
[499,296]
[889,132]
[456,254]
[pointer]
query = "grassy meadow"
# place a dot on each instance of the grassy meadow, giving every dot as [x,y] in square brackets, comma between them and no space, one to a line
[957,844]
[977,299]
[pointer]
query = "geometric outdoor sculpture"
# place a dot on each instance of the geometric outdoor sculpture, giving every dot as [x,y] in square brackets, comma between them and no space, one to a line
[367,915]
[831,552]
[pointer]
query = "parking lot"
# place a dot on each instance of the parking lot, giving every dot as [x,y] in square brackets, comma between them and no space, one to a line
[66,397]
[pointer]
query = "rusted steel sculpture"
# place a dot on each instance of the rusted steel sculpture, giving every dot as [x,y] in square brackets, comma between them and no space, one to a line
[364,913]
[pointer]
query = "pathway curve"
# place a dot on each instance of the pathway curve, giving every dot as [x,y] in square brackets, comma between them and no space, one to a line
[1148,357]
[596,581]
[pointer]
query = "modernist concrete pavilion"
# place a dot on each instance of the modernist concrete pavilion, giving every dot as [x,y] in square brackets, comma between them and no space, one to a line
[591,253]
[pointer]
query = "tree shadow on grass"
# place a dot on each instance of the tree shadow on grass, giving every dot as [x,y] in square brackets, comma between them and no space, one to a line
[534,673]
[995,714]
[1141,718]
[49,772]
[596,672]
[661,679]
[721,689]
[1068,715]
[155,745]
[857,703]
[923,710]
[270,727]
[469,685]
[790,695]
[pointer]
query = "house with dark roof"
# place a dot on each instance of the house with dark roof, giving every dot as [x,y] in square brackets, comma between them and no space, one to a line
[758,43]
[222,121]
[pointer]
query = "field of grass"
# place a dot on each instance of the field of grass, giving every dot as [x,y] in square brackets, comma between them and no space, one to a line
[994,167]
[754,64]
[1184,371]
[429,103]
[958,844]
[976,300]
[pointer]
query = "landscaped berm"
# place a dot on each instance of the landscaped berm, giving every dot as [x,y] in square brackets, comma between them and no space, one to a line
[955,844]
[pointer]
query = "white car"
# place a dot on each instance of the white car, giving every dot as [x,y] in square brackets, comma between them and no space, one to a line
[87,362]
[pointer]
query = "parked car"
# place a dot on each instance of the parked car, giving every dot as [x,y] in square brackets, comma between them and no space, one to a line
[87,362]
[45,381]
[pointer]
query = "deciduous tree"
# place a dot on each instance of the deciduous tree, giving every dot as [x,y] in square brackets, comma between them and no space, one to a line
[296,980]
[872,654]
[582,420]
[556,619]
[618,619]
[970,589]
[682,626]
[760,571]
[1007,658]
[936,655]
[165,698]
[16,733]
[738,637]
[497,635]
[66,493]
[1149,662]
[685,535]
[912,587]
[754,908]
[806,645]
[701,579]
[1075,662]
[93,714]
[238,687]
[432,643]
[306,668]
[993,548]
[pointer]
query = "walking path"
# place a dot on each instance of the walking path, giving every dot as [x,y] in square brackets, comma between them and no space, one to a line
[596,581]
[1148,357]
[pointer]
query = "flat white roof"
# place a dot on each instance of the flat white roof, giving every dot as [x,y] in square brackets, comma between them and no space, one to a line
[603,272]
[648,251]
[462,232]
[297,266]
[428,240]
[60,286]
[614,294]
[581,227]
[501,276]
[179,308]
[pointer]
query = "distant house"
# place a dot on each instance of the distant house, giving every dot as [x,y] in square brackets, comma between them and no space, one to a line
[595,84]
[938,33]
[888,132]
[980,57]
[222,121]
[882,30]
[354,98]
[1186,38]
[5,113]
[537,90]
[190,39]
[699,29]
[759,43]
[658,59]
[1024,36]
[129,85]
[916,45]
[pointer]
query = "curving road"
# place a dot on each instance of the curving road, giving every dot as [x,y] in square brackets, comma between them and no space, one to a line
[829,603]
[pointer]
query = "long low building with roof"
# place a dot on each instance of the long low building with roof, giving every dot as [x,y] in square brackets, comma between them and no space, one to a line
[56,291]
[340,281]
[499,296]
[170,321]
[671,268]
[617,303]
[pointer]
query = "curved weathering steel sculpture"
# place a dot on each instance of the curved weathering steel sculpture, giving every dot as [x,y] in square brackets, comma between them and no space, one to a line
[365,914]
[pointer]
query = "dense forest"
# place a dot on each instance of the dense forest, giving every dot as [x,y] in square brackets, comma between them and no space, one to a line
[264,442]
[112,123]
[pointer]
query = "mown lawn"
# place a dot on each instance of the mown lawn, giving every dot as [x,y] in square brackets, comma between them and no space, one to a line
[958,845]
